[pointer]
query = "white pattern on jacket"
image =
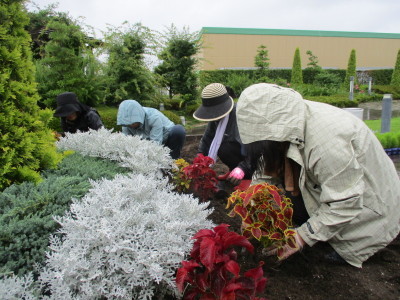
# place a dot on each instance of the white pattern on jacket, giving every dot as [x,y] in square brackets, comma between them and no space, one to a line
[350,186]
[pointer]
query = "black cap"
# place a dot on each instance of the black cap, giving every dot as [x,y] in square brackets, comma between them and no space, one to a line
[67,103]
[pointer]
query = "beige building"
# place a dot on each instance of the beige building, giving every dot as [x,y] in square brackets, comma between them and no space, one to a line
[235,48]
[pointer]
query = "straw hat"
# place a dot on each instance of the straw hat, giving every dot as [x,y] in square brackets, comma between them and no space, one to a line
[216,103]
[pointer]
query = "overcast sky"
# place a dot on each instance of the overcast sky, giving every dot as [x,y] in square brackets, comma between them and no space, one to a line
[333,15]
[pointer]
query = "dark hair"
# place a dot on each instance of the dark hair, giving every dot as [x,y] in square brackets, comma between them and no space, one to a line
[230,91]
[267,156]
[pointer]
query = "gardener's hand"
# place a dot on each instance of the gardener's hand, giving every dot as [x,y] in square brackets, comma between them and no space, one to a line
[287,250]
[235,176]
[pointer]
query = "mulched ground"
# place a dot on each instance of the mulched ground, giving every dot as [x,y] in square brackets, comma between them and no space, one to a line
[308,274]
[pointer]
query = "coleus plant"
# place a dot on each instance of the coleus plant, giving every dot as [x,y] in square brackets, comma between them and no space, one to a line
[266,215]
[214,273]
[198,177]
[182,182]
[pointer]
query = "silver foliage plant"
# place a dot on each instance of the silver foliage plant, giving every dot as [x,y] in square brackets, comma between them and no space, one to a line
[123,240]
[13,287]
[139,155]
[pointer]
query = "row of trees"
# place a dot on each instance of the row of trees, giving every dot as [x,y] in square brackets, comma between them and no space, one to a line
[45,52]
[261,62]
[69,58]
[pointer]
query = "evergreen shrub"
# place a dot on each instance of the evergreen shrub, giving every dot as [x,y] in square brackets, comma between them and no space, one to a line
[172,116]
[27,145]
[380,77]
[351,70]
[27,210]
[238,82]
[395,81]
[324,78]
[309,74]
[387,89]
[297,73]
[108,116]
[335,100]
[316,90]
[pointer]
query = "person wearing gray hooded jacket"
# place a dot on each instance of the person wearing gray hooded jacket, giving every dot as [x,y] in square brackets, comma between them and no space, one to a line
[348,185]
[151,124]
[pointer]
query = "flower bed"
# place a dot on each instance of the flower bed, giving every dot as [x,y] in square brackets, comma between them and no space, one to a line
[392,151]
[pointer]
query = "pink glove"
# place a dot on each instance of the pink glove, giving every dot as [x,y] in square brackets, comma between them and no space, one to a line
[237,173]
[287,250]
[236,176]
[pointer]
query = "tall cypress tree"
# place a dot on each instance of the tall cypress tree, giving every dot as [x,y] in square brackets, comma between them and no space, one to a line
[27,146]
[297,73]
[351,69]
[396,72]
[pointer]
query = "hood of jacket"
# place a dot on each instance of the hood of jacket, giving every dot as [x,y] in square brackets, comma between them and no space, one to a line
[129,112]
[270,112]
[67,103]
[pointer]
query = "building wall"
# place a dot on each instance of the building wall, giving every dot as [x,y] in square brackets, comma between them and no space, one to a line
[237,47]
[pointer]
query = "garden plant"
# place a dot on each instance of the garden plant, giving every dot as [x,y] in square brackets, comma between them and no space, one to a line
[198,178]
[93,216]
[213,271]
[266,215]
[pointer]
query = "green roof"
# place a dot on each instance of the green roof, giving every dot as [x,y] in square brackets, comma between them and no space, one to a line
[291,32]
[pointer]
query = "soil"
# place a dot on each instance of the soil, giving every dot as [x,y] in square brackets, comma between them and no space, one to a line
[309,274]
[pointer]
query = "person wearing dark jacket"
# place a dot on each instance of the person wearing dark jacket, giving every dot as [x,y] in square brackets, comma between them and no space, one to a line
[75,115]
[221,138]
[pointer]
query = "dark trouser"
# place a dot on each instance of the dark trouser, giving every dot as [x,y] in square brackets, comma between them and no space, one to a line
[230,154]
[300,215]
[175,141]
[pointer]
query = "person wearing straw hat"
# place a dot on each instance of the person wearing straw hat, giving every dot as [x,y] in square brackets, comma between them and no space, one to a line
[151,124]
[221,138]
[347,184]
[75,115]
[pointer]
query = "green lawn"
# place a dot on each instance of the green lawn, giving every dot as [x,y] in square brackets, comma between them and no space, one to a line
[375,125]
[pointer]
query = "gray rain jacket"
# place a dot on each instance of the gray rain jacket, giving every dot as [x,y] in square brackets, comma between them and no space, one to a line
[349,185]
[154,125]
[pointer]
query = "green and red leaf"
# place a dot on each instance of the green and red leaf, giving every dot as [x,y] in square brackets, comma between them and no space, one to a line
[240,210]
[256,232]
[276,236]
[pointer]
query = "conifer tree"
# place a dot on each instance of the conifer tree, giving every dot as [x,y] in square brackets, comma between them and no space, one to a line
[396,72]
[297,74]
[261,60]
[27,146]
[128,75]
[68,64]
[313,64]
[178,62]
[351,69]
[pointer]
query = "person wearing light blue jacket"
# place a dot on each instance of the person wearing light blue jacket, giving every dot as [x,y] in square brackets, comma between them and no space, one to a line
[151,124]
